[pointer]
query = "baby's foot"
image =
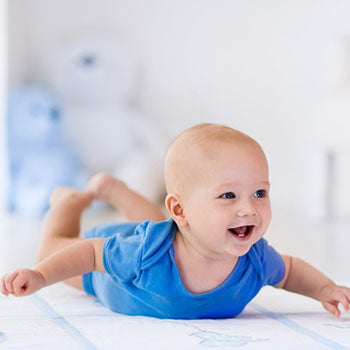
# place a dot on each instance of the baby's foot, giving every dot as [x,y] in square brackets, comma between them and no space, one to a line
[68,194]
[104,186]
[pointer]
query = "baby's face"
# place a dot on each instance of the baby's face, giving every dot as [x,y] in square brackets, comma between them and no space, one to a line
[228,208]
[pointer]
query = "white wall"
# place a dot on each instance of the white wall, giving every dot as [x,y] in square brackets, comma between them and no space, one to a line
[3,91]
[261,66]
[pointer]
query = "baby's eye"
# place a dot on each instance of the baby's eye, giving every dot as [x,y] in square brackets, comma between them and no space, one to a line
[260,194]
[228,195]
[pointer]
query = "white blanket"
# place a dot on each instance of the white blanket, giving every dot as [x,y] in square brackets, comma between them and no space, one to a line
[60,317]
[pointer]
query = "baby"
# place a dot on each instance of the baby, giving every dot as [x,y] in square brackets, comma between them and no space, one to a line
[207,261]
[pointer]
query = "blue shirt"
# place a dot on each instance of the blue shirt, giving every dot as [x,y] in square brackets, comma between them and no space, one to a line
[142,277]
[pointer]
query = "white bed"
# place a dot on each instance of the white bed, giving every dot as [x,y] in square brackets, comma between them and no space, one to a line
[60,317]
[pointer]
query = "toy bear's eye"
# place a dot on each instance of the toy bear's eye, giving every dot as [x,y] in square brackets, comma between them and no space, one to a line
[89,60]
[55,114]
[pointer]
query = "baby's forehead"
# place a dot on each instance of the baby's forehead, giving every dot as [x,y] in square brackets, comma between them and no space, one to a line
[199,147]
[208,134]
[199,144]
[210,148]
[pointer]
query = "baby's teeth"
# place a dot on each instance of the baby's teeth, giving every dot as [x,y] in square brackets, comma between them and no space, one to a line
[241,235]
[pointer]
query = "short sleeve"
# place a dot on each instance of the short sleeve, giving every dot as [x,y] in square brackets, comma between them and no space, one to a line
[271,263]
[122,254]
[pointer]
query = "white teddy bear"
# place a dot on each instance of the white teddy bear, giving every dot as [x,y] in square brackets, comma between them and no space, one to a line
[95,81]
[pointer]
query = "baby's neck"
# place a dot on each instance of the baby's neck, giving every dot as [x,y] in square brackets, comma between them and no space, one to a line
[200,273]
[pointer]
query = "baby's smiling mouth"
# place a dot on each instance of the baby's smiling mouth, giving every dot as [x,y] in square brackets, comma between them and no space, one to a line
[242,231]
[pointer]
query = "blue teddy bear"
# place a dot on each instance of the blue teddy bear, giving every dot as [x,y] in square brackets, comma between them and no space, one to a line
[39,156]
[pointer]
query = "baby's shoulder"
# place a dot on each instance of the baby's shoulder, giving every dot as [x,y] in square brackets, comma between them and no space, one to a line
[136,249]
[157,241]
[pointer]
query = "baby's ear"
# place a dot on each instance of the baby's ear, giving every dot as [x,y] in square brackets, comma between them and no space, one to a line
[175,209]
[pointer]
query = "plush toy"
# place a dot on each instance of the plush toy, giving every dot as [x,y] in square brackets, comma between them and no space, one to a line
[39,154]
[96,81]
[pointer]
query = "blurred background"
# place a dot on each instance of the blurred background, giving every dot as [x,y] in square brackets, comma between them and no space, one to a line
[88,86]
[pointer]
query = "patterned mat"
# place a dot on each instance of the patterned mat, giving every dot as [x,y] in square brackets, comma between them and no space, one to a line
[60,317]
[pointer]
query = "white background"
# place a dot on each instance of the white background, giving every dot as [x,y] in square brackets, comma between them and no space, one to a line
[266,67]
[278,70]
[3,89]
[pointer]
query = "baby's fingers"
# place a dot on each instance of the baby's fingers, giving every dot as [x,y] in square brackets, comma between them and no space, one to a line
[9,281]
[20,284]
[332,308]
[343,299]
[3,286]
[346,292]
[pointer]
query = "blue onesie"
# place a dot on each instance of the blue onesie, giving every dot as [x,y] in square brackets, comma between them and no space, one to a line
[142,277]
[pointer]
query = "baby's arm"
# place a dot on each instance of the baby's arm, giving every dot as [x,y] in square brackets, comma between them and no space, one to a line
[302,278]
[134,206]
[79,258]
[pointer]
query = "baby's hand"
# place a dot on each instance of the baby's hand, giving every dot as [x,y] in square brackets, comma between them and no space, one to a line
[22,282]
[331,295]
[102,185]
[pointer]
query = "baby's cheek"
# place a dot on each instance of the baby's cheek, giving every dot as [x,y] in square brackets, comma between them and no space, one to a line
[264,224]
[266,214]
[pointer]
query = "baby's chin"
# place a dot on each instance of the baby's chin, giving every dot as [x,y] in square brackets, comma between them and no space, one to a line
[240,249]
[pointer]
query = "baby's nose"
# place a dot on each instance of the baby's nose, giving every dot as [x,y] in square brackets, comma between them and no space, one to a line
[246,208]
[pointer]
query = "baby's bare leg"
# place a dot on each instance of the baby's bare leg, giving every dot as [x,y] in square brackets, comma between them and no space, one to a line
[61,226]
[134,206]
